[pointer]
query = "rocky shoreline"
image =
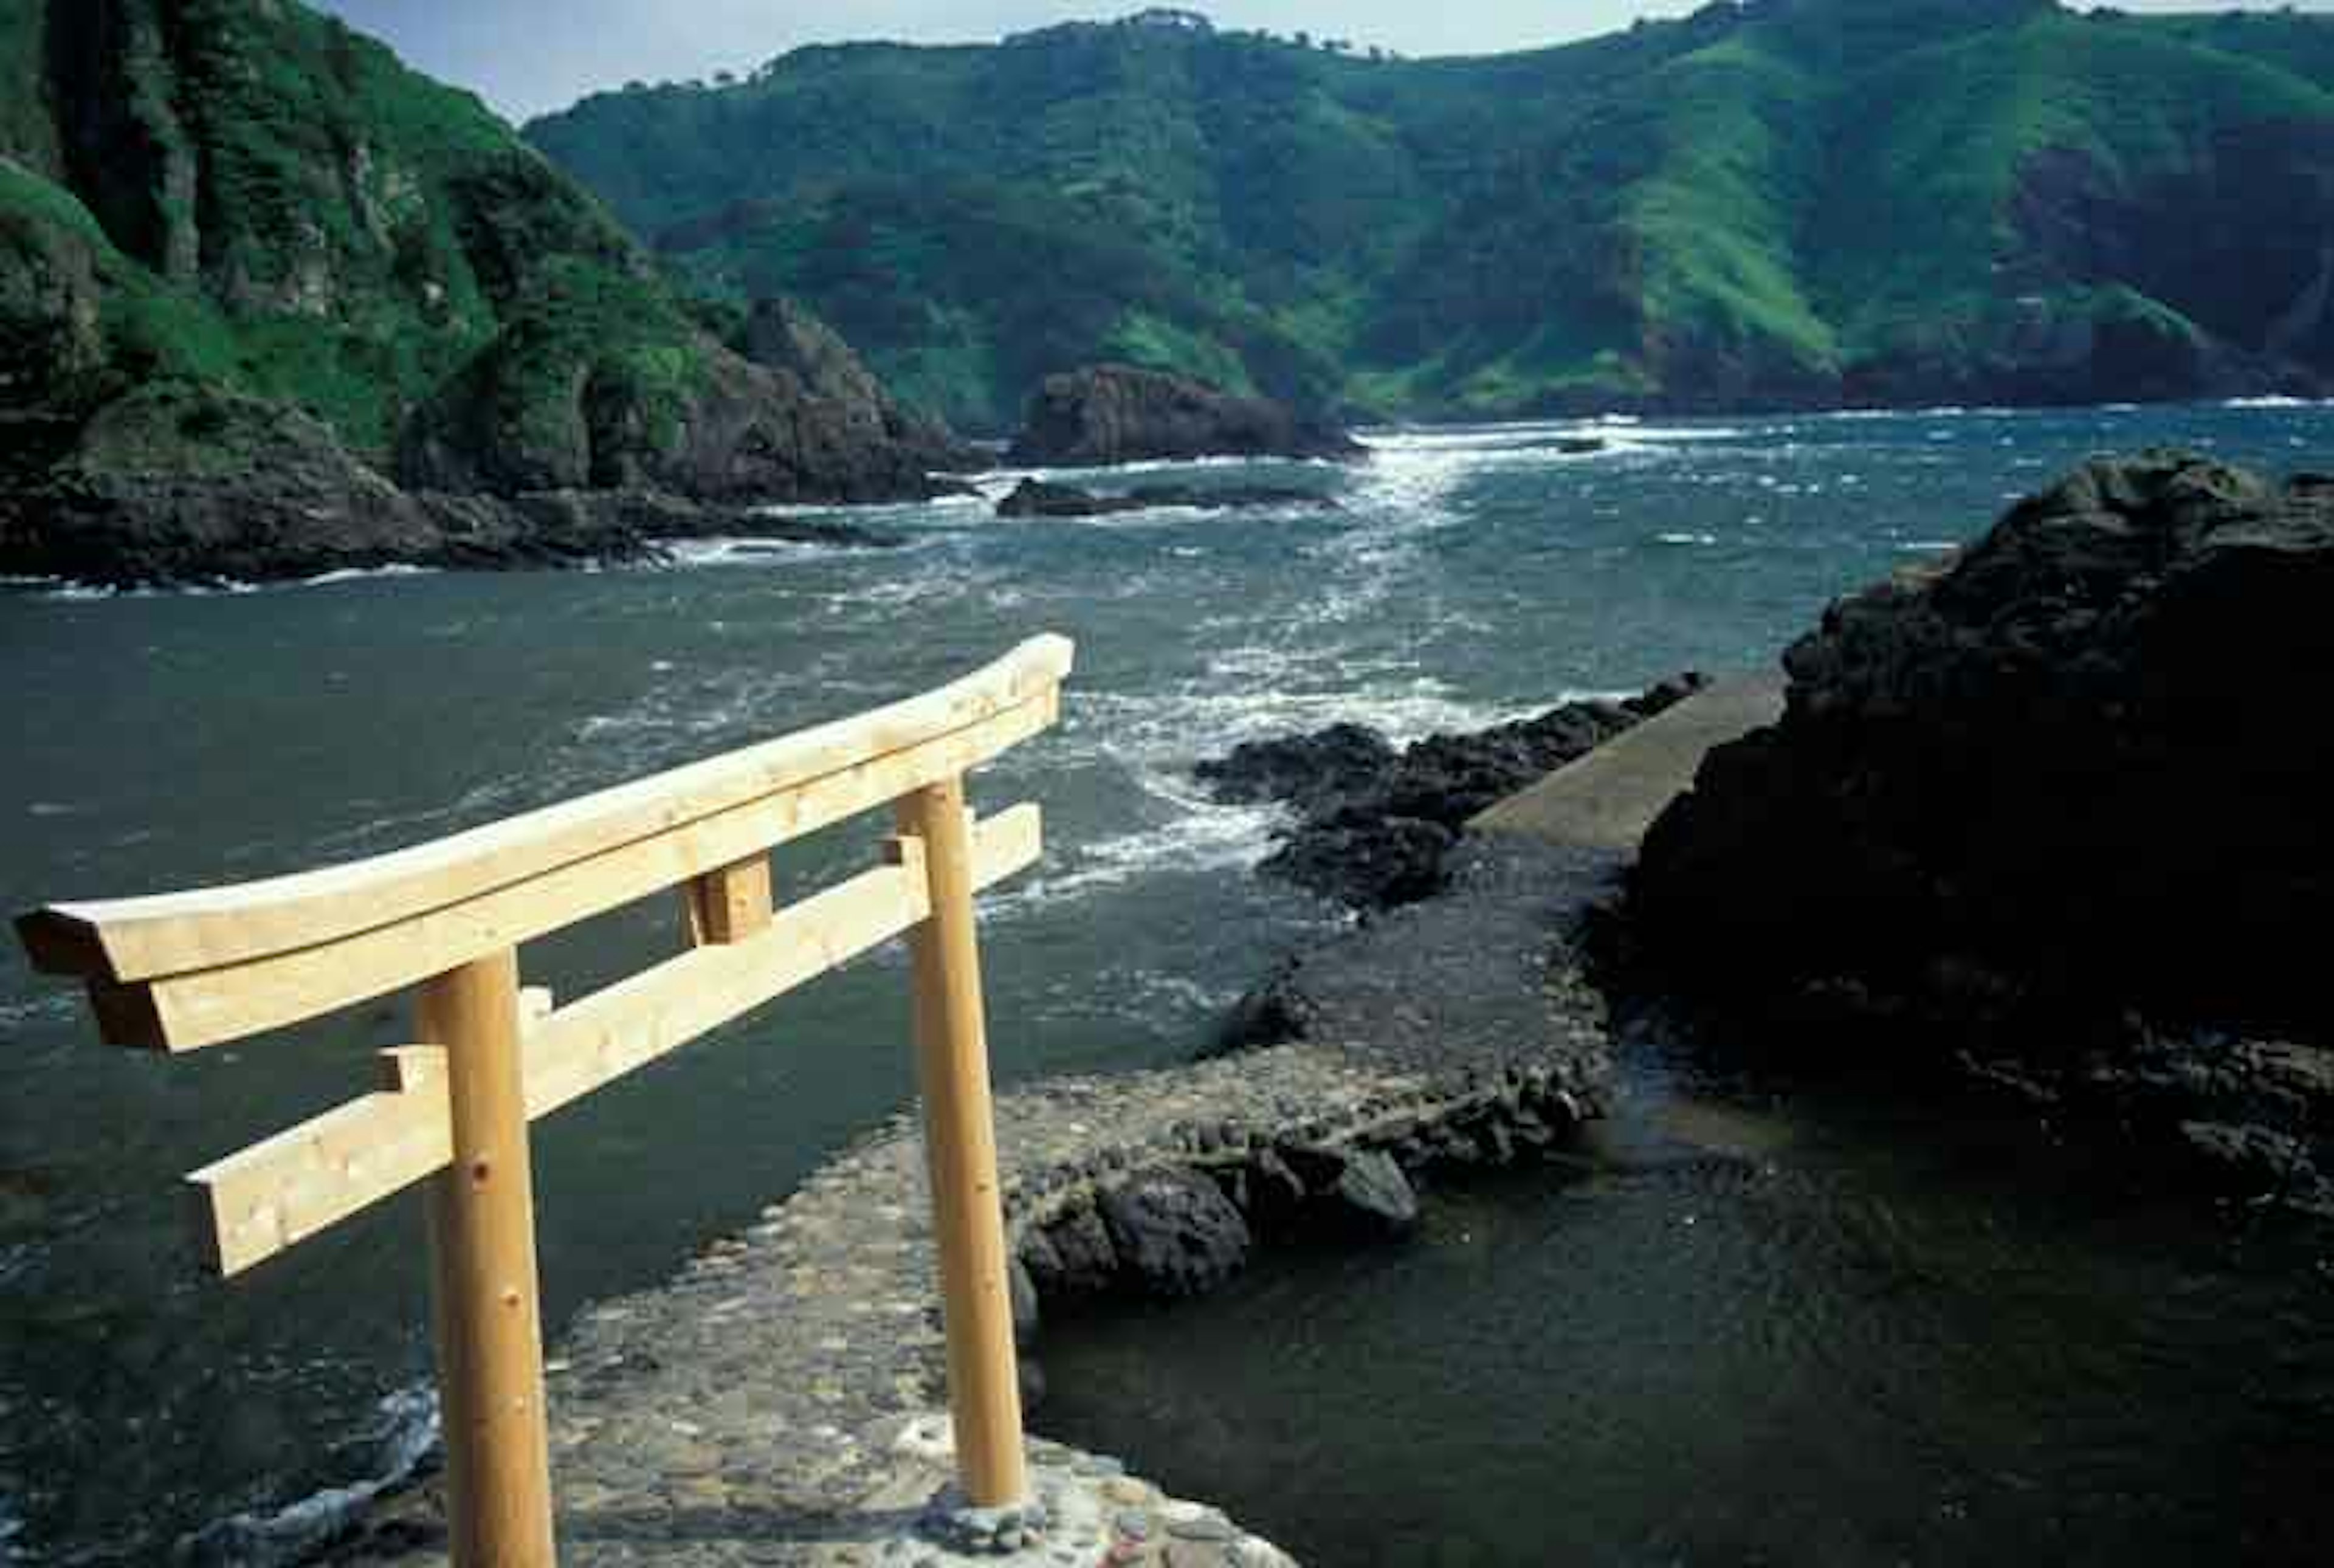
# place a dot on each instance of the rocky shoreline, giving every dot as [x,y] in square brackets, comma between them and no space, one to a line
[1372,826]
[2050,812]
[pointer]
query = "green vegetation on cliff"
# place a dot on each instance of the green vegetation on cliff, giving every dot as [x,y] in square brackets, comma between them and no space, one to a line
[244,202]
[1775,201]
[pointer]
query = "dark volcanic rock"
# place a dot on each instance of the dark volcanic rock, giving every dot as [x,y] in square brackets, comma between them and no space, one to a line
[1037,498]
[1073,1256]
[2073,774]
[1123,413]
[1175,1234]
[175,485]
[1374,824]
[1312,772]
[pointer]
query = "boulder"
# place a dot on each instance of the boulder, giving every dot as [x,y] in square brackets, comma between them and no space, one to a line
[2068,777]
[1175,1232]
[1109,414]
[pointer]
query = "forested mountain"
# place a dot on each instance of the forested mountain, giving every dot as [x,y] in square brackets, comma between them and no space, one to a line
[1772,202]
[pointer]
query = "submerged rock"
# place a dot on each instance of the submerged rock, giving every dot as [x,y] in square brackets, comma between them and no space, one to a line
[1109,414]
[2068,777]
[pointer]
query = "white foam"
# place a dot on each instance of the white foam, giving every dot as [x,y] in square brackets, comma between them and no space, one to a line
[1204,838]
[745,552]
[1700,539]
[404,1433]
[2268,400]
[367,574]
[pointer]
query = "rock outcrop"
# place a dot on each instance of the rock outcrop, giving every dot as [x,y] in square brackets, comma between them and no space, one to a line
[1373,825]
[254,323]
[1109,414]
[1037,498]
[2057,804]
[175,485]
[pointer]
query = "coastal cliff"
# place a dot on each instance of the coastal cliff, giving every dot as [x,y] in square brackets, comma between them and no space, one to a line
[234,229]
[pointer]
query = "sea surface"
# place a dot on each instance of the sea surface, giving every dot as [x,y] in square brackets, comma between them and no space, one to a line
[1633,1354]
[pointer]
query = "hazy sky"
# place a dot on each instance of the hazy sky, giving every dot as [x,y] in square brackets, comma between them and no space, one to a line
[528,56]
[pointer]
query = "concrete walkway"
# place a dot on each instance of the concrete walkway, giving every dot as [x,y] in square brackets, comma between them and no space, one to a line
[1608,799]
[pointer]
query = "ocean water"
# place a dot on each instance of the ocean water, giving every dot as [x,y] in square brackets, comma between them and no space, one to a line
[173,739]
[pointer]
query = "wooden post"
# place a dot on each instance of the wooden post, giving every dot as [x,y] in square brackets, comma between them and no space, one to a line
[729,905]
[482,1242]
[960,1146]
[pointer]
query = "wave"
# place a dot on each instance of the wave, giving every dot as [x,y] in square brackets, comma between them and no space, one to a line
[2268,400]
[1676,538]
[995,482]
[366,574]
[67,592]
[745,552]
[1206,837]
[403,1435]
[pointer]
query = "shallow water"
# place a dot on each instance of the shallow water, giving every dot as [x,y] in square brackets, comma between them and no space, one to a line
[165,740]
[1799,1328]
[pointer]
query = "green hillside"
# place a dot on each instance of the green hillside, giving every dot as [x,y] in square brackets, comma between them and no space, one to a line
[216,207]
[1775,201]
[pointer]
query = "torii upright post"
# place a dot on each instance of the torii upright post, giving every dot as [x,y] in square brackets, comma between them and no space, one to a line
[490,1395]
[961,1148]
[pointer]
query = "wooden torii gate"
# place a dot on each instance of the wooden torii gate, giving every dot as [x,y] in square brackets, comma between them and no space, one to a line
[178,971]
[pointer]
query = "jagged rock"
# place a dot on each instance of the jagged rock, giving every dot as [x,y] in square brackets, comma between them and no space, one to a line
[784,336]
[1175,1234]
[1376,826]
[1037,498]
[1109,414]
[1312,772]
[727,431]
[2067,777]
[274,495]
[1073,1256]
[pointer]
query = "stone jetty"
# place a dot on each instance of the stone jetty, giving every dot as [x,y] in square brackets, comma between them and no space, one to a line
[784,1400]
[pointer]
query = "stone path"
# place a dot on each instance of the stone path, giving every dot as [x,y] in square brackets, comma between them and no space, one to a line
[1609,798]
[782,1400]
